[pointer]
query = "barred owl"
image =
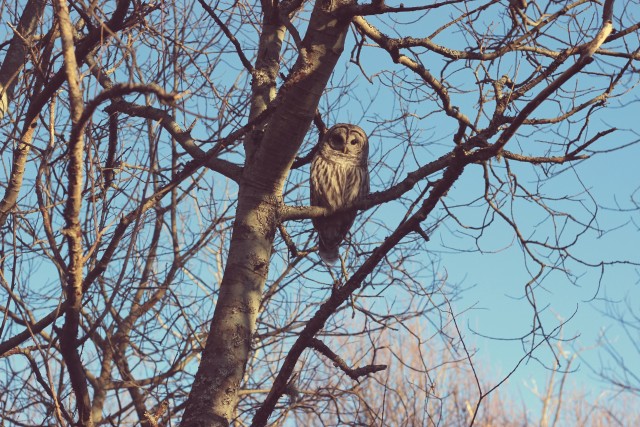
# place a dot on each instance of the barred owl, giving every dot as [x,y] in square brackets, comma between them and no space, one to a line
[339,176]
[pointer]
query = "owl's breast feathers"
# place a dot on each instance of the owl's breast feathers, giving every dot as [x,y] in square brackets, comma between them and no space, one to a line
[335,184]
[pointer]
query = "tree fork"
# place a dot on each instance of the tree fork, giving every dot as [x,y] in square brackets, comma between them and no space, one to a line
[214,395]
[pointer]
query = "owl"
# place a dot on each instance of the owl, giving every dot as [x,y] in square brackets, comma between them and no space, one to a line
[339,177]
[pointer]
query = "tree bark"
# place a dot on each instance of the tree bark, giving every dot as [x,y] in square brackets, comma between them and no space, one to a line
[72,231]
[17,53]
[11,67]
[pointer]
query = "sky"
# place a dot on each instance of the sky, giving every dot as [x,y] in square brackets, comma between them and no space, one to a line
[492,309]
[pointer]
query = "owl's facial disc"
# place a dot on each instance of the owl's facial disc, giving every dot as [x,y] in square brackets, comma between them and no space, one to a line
[353,143]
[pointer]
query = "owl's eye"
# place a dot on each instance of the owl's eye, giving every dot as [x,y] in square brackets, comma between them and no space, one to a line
[354,142]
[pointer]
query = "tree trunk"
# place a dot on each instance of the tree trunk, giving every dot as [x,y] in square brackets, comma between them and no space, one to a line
[214,395]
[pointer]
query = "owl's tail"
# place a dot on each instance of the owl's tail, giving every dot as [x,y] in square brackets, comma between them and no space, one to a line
[328,255]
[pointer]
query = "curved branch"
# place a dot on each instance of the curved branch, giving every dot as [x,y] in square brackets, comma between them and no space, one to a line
[243,58]
[183,137]
[353,373]
[378,7]
[391,46]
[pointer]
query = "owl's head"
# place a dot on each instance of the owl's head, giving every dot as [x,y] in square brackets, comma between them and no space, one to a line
[347,141]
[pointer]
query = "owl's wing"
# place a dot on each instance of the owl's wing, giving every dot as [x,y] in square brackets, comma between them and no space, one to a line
[336,226]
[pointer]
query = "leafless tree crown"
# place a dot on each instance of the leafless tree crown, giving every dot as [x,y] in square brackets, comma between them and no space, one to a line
[158,262]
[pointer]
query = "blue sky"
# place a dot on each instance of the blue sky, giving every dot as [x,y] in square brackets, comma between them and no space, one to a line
[493,304]
[496,278]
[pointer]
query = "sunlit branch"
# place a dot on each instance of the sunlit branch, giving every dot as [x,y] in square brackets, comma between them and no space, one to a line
[72,231]
[183,137]
[587,50]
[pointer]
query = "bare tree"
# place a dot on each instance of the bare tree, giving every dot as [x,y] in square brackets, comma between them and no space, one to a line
[617,365]
[408,393]
[158,260]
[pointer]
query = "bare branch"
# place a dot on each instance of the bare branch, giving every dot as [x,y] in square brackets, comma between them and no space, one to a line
[353,373]
[72,231]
